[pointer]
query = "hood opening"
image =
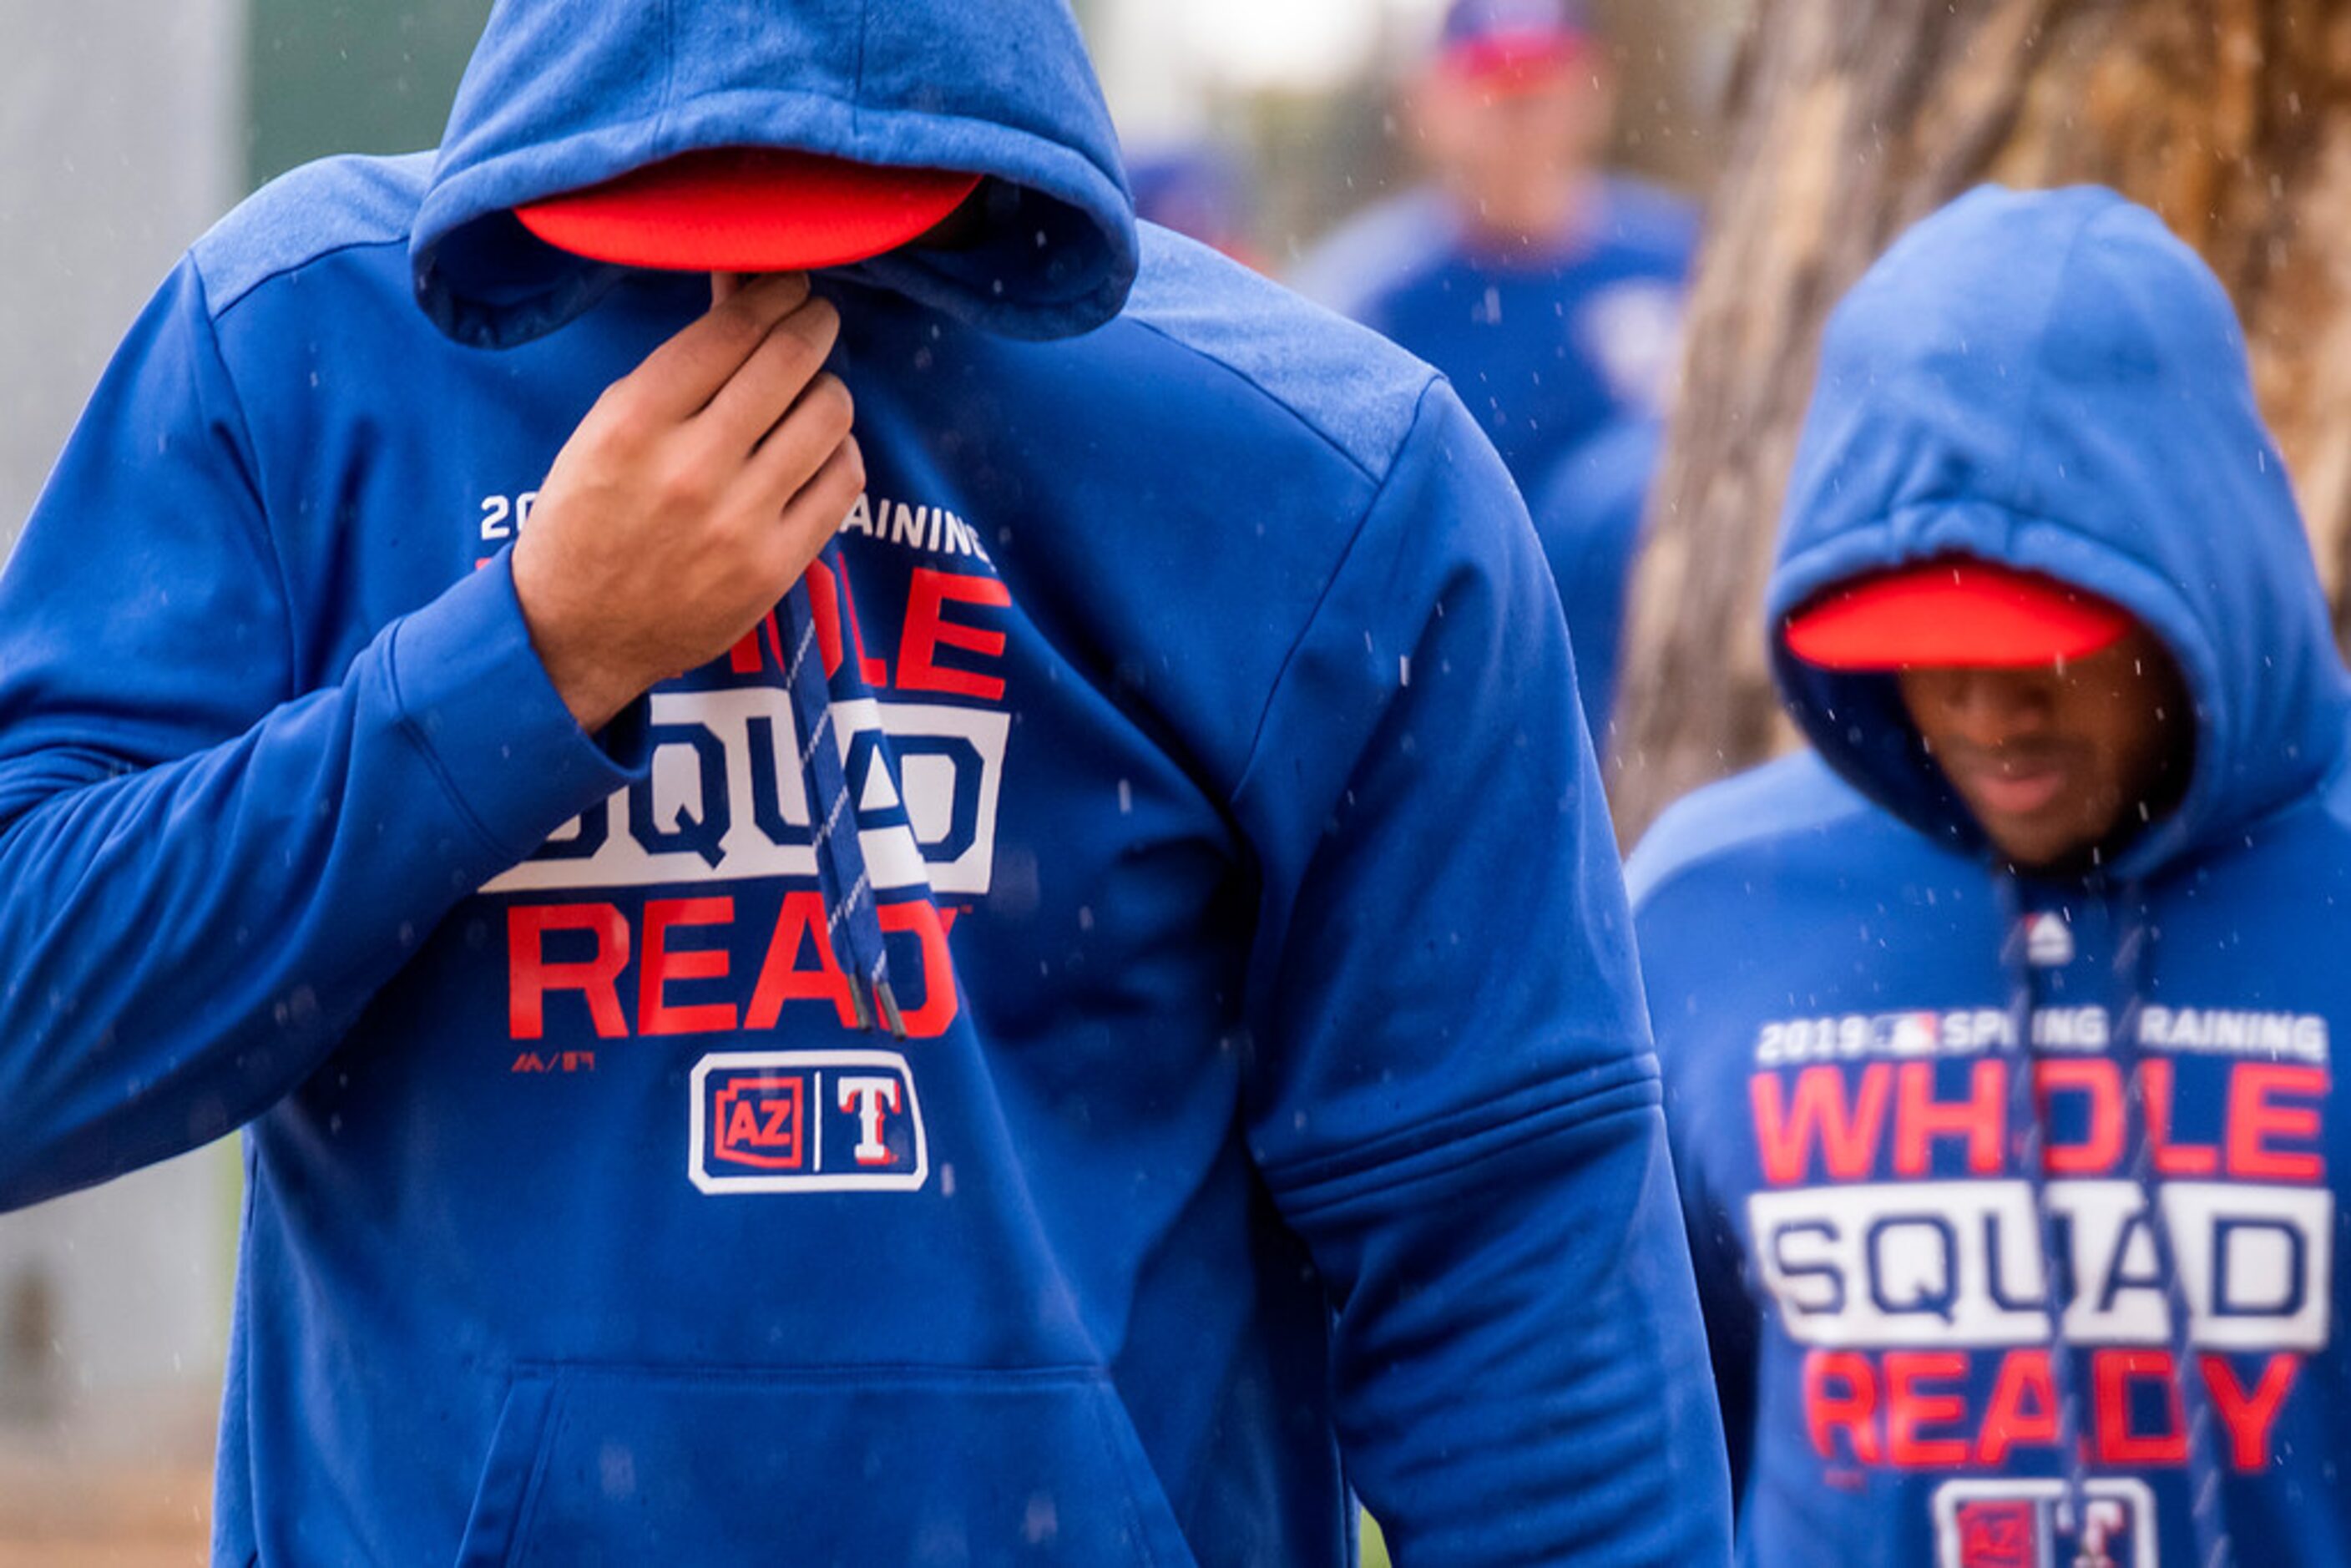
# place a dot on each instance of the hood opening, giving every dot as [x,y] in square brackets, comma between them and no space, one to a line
[2052,382]
[564,94]
[2055,770]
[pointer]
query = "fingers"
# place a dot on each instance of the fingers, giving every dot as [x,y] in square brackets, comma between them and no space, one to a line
[679,379]
[797,449]
[775,376]
[816,513]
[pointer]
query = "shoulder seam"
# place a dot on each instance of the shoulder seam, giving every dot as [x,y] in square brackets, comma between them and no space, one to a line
[267,540]
[262,280]
[1706,859]
[1331,581]
[1288,407]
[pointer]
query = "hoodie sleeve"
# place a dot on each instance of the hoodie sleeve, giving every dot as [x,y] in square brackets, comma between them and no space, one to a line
[1452,1096]
[205,874]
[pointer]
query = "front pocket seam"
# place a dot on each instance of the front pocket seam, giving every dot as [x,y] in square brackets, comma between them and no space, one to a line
[1131,1479]
[543,1445]
[1107,1431]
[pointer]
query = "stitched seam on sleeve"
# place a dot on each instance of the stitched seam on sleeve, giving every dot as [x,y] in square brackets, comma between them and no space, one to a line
[1330,587]
[416,737]
[1442,1155]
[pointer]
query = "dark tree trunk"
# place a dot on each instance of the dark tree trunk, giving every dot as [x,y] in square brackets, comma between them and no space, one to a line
[1848,120]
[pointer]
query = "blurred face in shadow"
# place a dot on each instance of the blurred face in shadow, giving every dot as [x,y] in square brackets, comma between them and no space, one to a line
[1514,148]
[2062,760]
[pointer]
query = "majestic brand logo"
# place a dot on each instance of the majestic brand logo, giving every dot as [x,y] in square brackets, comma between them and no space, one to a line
[2048,941]
[810,1121]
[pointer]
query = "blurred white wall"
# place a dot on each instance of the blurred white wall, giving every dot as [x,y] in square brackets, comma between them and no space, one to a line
[121,139]
[1166,67]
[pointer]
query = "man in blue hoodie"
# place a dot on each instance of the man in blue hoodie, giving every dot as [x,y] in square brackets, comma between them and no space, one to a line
[1023,1029]
[1997,1028]
[1590,516]
[1547,289]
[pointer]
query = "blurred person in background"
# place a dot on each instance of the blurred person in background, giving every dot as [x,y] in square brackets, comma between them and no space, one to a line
[1201,191]
[1547,289]
[1591,514]
[851,837]
[1998,1028]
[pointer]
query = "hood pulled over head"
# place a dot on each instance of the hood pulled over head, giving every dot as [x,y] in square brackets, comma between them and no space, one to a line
[2052,381]
[565,94]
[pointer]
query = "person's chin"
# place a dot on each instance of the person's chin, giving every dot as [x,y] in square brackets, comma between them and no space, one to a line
[2040,839]
[2051,842]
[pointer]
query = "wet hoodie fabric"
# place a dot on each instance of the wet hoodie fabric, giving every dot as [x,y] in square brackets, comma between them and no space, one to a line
[1547,344]
[1263,1120]
[2016,1199]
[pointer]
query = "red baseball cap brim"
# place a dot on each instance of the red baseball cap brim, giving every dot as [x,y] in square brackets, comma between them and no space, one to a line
[1961,613]
[1512,62]
[749,209]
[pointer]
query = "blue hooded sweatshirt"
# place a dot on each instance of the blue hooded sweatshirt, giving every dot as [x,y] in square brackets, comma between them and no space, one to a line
[1548,344]
[1590,516]
[2015,1199]
[1264,1121]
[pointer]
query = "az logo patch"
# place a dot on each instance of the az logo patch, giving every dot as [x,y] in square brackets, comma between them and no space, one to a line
[810,1121]
[2026,1523]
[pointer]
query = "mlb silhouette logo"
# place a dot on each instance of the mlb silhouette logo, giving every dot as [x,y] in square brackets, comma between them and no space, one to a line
[2028,1524]
[2048,941]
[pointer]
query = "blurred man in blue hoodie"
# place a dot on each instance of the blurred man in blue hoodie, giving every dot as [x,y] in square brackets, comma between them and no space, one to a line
[1016,1027]
[1591,517]
[1548,291]
[1998,1028]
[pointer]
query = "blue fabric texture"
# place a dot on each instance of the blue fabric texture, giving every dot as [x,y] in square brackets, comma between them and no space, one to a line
[1270,1127]
[1970,1158]
[1548,344]
[1473,21]
[1590,514]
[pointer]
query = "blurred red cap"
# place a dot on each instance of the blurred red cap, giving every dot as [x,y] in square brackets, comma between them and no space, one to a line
[748,209]
[1964,613]
[1512,45]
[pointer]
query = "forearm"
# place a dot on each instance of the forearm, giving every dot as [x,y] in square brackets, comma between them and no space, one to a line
[187,941]
[1549,1401]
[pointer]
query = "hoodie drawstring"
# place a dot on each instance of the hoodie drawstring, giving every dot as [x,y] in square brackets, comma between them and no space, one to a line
[2207,1508]
[853,918]
[2032,1154]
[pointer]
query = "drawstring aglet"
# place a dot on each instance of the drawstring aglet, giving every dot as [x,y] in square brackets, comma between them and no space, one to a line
[888,1003]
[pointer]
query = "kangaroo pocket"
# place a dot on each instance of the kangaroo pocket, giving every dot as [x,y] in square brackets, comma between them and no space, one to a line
[723,1467]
